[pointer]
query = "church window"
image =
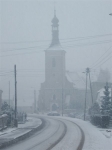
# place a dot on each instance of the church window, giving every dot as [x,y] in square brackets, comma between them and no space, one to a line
[53,62]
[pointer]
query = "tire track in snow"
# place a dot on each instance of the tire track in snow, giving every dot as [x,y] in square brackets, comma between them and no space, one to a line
[80,146]
[56,141]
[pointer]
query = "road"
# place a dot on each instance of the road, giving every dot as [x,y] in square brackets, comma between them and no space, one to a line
[58,134]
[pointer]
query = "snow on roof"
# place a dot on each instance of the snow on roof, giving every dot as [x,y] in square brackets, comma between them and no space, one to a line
[55,47]
[77,80]
[101,91]
[100,95]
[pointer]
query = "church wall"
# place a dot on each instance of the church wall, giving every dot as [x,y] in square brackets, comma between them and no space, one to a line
[54,73]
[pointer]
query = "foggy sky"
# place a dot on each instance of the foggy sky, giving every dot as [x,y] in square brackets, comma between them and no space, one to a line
[25,32]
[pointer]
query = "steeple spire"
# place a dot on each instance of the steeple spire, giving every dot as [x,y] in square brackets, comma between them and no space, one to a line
[55,31]
[54,10]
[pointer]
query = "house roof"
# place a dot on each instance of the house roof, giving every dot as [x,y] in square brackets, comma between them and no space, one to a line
[77,80]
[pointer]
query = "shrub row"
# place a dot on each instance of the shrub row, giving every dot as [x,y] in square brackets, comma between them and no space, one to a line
[100,120]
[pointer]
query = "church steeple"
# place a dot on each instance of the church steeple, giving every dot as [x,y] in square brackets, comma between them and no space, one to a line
[55,30]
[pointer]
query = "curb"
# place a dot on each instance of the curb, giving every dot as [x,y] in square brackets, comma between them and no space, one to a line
[24,136]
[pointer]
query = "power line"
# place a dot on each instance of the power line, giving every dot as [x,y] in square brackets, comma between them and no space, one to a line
[102,56]
[102,61]
[101,42]
[88,44]
[22,53]
[26,48]
[33,47]
[77,38]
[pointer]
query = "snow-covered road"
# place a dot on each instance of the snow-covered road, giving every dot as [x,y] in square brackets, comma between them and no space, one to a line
[48,137]
[72,138]
[42,139]
[63,133]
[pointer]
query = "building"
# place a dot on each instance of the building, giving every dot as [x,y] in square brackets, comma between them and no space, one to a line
[56,91]
[96,86]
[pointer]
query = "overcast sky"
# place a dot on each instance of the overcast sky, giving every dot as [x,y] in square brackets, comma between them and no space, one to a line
[85,29]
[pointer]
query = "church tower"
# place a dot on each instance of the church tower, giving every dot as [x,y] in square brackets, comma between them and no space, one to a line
[54,59]
[54,68]
[52,92]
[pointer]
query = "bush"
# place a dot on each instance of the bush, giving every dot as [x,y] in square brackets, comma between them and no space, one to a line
[105,121]
[96,120]
[100,120]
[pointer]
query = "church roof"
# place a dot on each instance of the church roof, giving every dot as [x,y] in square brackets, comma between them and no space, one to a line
[55,20]
[75,79]
[55,43]
[55,47]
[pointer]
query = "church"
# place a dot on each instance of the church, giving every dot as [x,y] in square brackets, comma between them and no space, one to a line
[56,91]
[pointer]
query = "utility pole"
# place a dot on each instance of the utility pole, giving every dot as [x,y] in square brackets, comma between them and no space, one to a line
[63,84]
[111,84]
[16,121]
[85,95]
[34,101]
[90,85]
[62,101]
[9,95]
[111,93]
[87,73]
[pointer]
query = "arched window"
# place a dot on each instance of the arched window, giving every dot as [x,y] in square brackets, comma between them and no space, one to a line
[53,62]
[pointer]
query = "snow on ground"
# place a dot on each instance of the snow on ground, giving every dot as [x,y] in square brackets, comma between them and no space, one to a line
[94,137]
[6,131]
[72,138]
[30,123]
[106,132]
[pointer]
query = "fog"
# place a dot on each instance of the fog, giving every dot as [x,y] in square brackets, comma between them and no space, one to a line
[85,32]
